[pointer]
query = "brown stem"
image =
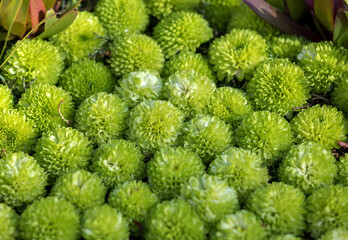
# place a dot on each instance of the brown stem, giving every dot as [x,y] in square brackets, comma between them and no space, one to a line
[316,96]
[60,114]
[342,144]
[302,107]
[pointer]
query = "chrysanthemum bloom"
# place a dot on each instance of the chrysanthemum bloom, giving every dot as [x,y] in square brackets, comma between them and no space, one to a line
[340,94]
[162,8]
[343,170]
[122,16]
[6,98]
[242,170]
[211,197]
[154,124]
[104,222]
[49,218]
[118,161]
[45,105]
[8,222]
[170,168]
[278,86]
[230,105]
[32,62]
[241,225]
[182,31]
[285,237]
[81,188]
[323,64]
[80,39]
[139,86]
[336,234]
[280,207]
[265,133]
[190,92]
[86,78]
[237,54]
[102,117]
[323,125]
[286,46]
[308,166]
[327,210]
[174,219]
[17,133]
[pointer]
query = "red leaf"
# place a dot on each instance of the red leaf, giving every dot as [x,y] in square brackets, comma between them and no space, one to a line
[37,12]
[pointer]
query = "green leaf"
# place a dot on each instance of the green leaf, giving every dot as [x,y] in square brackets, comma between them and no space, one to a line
[324,12]
[14,18]
[51,18]
[340,36]
[49,3]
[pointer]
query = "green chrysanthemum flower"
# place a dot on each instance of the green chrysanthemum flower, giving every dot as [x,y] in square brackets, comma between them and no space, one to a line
[189,91]
[308,166]
[139,86]
[323,125]
[162,8]
[265,133]
[182,31]
[241,225]
[122,16]
[133,199]
[81,188]
[49,218]
[22,180]
[63,150]
[323,64]
[278,86]
[343,170]
[135,52]
[174,220]
[104,222]
[102,117]
[207,136]
[118,161]
[280,207]
[33,61]
[85,78]
[43,104]
[286,46]
[79,40]
[154,124]
[6,98]
[211,197]
[170,168]
[336,234]
[285,237]
[230,105]
[8,222]
[242,170]
[17,133]
[340,94]
[327,209]
[237,54]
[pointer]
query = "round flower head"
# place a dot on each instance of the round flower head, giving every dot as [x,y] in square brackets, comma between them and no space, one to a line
[340,94]
[17,133]
[102,117]
[242,170]
[323,64]
[280,207]
[32,62]
[189,91]
[118,161]
[45,105]
[162,8]
[135,52]
[182,31]
[170,168]
[343,170]
[81,188]
[278,86]
[211,197]
[327,209]
[8,222]
[79,40]
[286,46]
[6,98]
[139,86]
[237,54]
[174,219]
[230,105]
[133,199]
[63,150]
[265,133]
[323,125]
[104,222]
[207,136]
[154,124]
[49,218]
[285,237]
[22,180]
[241,225]
[336,234]
[122,16]
[85,78]
[308,166]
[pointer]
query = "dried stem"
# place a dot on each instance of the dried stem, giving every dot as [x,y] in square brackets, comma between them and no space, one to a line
[342,144]
[60,114]
[302,107]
